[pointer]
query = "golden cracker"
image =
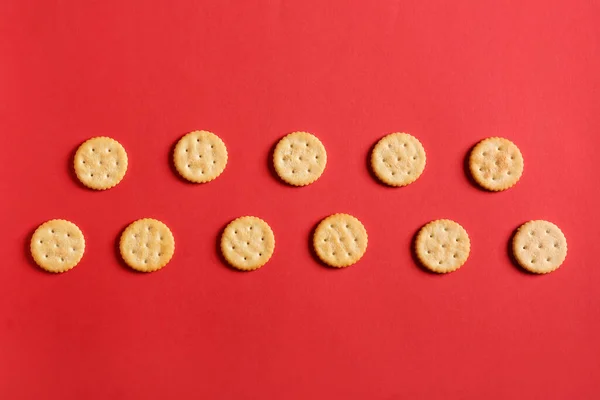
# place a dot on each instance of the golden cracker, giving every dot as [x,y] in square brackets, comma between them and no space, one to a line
[147,245]
[442,246]
[398,159]
[200,156]
[247,243]
[100,163]
[539,246]
[57,245]
[496,164]
[340,240]
[299,158]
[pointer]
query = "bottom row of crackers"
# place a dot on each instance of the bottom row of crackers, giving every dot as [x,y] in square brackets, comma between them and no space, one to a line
[339,240]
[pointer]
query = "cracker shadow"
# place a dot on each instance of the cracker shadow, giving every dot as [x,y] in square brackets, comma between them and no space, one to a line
[372,173]
[171,163]
[511,255]
[222,257]
[369,166]
[117,253]
[313,252]
[27,251]
[71,168]
[415,257]
[467,171]
[311,247]
[271,166]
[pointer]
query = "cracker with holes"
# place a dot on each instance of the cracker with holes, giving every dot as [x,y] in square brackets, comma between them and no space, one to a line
[398,159]
[299,158]
[340,240]
[247,243]
[442,246]
[496,164]
[100,163]
[539,246]
[147,245]
[57,245]
[200,156]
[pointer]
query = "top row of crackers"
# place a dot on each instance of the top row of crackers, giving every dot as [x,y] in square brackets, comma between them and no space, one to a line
[299,159]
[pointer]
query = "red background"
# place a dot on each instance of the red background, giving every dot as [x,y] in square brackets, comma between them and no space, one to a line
[449,72]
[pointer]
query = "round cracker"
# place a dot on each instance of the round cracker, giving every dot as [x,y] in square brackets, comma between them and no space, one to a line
[200,156]
[496,164]
[100,163]
[247,243]
[539,246]
[147,245]
[57,245]
[299,158]
[442,246]
[340,240]
[398,159]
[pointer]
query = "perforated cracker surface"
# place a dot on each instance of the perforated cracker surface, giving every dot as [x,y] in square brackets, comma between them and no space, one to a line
[147,245]
[57,245]
[442,246]
[496,164]
[398,159]
[299,158]
[247,243]
[100,163]
[200,156]
[340,240]
[539,246]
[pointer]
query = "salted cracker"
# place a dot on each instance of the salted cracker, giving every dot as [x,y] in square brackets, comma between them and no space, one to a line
[247,243]
[200,156]
[57,245]
[539,246]
[340,240]
[299,158]
[147,245]
[100,163]
[398,159]
[442,246]
[496,164]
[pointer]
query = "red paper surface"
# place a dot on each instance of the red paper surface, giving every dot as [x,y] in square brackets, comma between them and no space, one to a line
[448,72]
